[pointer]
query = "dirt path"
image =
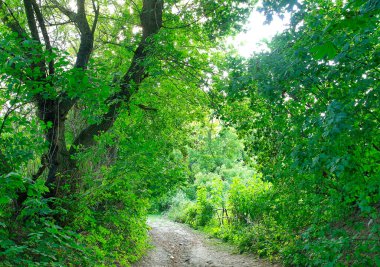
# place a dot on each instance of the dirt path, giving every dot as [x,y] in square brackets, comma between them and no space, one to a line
[177,245]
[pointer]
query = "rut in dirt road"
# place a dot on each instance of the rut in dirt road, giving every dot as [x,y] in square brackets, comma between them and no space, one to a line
[177,245]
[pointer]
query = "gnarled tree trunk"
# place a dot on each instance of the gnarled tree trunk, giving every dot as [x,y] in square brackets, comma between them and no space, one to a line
[59,159]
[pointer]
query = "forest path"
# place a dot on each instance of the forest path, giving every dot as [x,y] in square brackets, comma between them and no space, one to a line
[177,245]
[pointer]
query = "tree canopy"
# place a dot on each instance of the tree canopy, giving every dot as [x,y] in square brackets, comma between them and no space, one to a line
[113,109]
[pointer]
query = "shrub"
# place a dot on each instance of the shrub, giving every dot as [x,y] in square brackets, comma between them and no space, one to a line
[33,237]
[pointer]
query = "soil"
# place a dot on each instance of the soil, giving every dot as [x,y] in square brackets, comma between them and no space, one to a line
[176,245]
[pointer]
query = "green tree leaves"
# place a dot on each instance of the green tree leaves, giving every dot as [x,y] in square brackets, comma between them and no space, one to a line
[326,50]
[314,104]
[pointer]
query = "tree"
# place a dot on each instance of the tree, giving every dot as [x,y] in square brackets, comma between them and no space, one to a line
[37,34]
[95,99]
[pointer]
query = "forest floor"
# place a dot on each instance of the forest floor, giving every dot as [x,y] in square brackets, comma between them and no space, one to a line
[176,245]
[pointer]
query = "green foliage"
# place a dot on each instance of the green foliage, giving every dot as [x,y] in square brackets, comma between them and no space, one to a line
[221,181]
[313,108]
[107,136]
[288,166]
[106,214]
[308,112]
[249,199]
[203,208]
[34,238]
[181,208]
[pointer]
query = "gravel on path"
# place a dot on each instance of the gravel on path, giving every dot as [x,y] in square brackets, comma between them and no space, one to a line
[177,245]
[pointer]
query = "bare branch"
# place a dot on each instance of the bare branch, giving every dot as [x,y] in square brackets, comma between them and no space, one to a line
[59,23]
[12,108]
[41,169]
[136,7]
[69,13]
[87,36]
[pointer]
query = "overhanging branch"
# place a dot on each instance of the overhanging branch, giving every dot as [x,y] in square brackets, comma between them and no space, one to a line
[151,22]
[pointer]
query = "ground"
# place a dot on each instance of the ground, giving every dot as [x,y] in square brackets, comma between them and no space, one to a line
[176,245]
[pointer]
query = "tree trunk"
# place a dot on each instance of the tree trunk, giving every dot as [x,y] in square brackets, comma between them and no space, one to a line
[59,163]
[62,169]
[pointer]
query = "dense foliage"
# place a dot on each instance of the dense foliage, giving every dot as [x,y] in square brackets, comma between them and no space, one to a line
[112,109]
[96,99]
[308,113]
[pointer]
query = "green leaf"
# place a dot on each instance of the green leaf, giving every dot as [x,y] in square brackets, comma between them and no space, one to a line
[326,50]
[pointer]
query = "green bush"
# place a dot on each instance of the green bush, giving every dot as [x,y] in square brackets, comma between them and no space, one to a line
[249,199]
[180,207]
[34,237]
[204,208]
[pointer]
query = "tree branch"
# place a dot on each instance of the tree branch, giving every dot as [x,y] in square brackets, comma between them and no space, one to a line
[96,11]
[41,169]
[34,32]
[85,47]
[59,23]
[143,107]
[86,38]
[44,32]
[69,13]
[151,22]
[10,20]
[12,108]
[31,19]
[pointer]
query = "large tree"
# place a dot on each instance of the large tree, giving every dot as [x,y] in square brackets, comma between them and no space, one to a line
[53,52]
[96,98]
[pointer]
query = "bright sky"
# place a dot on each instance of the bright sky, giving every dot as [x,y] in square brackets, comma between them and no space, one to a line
[249,42]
